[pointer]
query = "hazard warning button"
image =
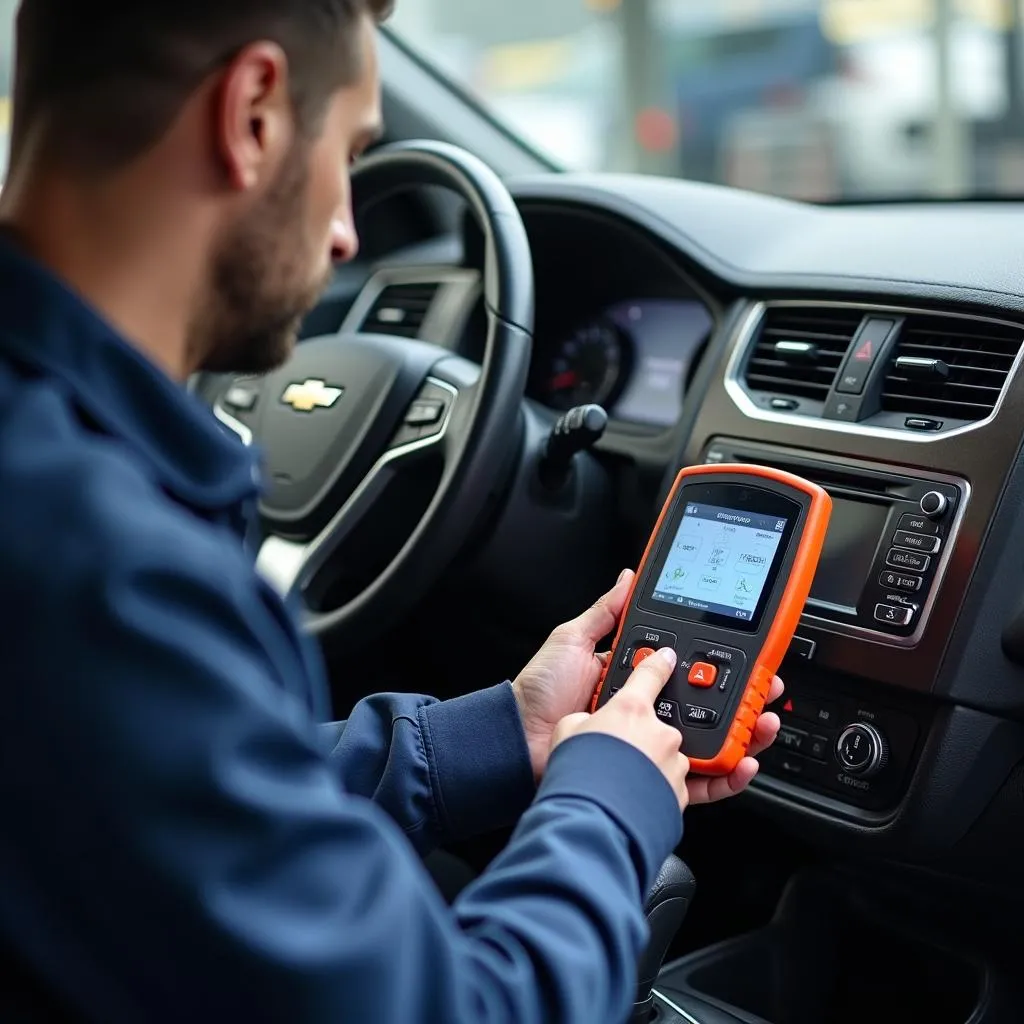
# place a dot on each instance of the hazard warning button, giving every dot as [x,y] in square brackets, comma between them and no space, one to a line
[702,674]
[869,344]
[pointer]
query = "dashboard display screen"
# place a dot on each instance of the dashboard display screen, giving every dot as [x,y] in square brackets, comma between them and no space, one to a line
[666,338]
[720,561]
[849,551]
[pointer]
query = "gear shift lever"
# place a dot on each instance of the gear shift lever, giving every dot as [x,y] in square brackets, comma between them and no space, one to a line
[667,904]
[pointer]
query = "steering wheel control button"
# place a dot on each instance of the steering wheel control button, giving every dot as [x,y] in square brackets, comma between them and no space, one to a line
[641,656]
[792,739]
[909,560]
[864,355]
[241,397]
[900,581]
[917,542]
[918,524]
[861,750]
[424,412]
[645,636]
[699,717]
[702,675]
[934,505]
[894,614]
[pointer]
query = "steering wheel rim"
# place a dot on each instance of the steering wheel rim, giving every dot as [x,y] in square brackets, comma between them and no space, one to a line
[478,424]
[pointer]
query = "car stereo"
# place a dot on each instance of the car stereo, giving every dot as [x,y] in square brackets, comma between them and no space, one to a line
[889,541]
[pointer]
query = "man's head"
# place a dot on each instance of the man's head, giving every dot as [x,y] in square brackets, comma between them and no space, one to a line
[252,108]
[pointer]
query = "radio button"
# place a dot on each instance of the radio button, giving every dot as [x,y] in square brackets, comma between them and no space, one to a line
[899,559]
[899,581]
[894,614]
[934,504]
[917,542]
[819,711]
[818,747]
[698,717]
[792,739]
[918,524]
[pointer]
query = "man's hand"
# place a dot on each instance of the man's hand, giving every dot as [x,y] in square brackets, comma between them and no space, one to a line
[561,678]
[629,716]
[560,681]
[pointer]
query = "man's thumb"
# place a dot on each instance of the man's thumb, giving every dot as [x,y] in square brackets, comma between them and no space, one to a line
[601,619]
[568,727]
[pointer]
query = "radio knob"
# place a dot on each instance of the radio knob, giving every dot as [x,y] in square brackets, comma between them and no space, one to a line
[934,505]
[862,750]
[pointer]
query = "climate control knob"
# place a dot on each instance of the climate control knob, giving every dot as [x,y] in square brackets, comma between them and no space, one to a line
[862,750]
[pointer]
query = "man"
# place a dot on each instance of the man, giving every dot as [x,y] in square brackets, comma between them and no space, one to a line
[181,840]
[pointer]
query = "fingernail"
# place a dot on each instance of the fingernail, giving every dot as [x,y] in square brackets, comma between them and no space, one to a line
[622,577]
[669,655]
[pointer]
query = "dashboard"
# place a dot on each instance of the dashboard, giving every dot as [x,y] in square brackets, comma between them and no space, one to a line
[875,350]
[634,358]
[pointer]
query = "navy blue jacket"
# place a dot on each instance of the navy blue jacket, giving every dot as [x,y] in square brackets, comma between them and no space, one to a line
[182,838]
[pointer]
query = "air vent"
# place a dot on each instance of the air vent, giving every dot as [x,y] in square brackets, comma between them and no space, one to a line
[799,350]
[400,309]
[950,368]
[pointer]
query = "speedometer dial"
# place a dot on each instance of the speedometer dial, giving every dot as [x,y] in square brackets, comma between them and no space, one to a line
[586,367]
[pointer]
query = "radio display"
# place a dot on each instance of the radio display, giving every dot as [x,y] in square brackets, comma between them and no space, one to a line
[720,560]
[849,553]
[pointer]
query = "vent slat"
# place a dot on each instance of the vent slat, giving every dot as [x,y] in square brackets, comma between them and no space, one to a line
[830,330]
[979,356]
[401,309]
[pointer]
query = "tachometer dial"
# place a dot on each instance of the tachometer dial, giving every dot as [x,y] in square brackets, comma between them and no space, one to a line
[586,367]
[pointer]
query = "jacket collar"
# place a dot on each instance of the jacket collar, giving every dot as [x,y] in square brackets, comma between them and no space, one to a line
[45,325]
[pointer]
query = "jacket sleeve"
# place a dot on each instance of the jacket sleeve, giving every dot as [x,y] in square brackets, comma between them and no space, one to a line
[187,850]
[443,770]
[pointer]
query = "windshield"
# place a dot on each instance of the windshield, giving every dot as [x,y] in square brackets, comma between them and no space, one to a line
[814,99]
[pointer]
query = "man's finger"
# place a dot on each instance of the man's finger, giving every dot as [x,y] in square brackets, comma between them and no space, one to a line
[704,790]
[651,676]
[776,690]
[601,618]
[765,732]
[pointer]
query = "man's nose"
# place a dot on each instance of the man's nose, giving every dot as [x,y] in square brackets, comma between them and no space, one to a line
[344,240]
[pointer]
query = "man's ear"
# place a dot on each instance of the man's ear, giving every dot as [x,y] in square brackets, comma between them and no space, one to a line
[254,120]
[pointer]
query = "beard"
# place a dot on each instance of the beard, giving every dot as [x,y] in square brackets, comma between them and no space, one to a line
[261,287]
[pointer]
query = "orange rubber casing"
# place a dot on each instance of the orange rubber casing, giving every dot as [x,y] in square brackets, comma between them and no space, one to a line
[787,618]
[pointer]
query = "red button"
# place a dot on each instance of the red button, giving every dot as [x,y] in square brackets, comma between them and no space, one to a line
[703,675]
[642,655]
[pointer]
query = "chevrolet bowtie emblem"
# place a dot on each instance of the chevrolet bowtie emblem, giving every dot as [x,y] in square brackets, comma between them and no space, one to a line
[310,395]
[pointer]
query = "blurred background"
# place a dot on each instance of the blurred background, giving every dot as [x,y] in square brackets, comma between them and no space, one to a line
[824,100]
[813,99]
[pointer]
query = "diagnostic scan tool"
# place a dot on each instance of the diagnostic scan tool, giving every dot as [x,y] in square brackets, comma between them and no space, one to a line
[723,582]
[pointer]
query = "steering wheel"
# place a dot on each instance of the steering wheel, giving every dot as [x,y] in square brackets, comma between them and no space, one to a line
[348,412]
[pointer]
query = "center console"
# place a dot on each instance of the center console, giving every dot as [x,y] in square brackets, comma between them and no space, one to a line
[891,541]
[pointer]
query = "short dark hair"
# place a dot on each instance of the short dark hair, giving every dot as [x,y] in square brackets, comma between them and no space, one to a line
[108,77]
